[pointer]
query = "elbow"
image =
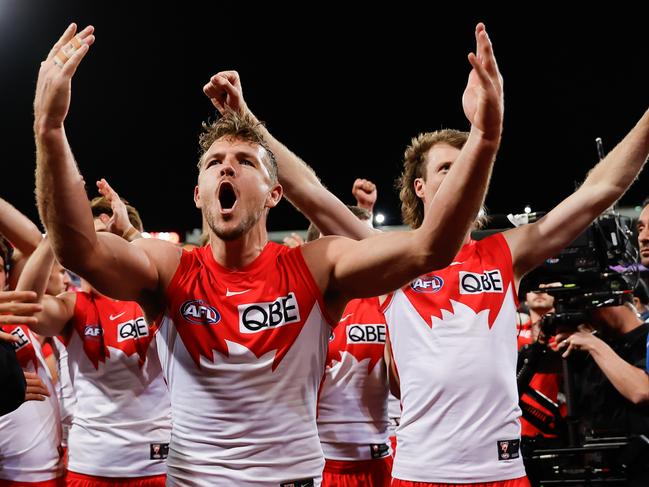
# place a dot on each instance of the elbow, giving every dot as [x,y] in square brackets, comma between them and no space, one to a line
[77,260]
[440,258]
[640,397]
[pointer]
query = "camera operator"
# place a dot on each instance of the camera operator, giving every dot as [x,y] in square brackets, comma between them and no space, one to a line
[539,304]
[612,381]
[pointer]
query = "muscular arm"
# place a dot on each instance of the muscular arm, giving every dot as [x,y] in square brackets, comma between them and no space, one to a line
[22,233]
[115,267]
[605,184]
[349,269]
[18,229]
[57,310]
[301,185]
[385,262]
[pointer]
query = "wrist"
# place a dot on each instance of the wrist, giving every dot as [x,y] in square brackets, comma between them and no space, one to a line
[131,233]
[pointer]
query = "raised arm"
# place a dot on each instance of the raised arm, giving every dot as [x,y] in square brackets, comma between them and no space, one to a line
[115,267]
[56,310]
[301,185]
[384,262]
[606,183]
[18,229]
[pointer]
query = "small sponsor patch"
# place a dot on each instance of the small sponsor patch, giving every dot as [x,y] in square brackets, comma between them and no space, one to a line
[508,449]
[256,317]
[487,282]
[199,312]
[366,333]
[132,329]
[298,483]
[380,450]
[93,332]
[427,284]
[159,451]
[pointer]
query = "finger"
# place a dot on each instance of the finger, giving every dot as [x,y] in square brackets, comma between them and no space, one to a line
[228,87]
[34,397]
[489,59]
[13,319]
[36,385]
[107,190]
[480,71]
[567,352]
[67,35]
[216,94]
[22,296]
[21,309]
[70,67]
[232,77]
[8,337]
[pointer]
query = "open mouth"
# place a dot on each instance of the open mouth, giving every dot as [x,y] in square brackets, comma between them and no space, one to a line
[227,196]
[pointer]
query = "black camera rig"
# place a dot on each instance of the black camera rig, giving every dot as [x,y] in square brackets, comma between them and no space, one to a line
[598,269]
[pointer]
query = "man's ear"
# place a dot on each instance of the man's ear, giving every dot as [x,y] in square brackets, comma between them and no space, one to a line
[197,198]
[418,183]
[274,195]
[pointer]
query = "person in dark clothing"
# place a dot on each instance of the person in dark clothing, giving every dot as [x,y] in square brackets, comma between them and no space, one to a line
[612,382]
[12,380]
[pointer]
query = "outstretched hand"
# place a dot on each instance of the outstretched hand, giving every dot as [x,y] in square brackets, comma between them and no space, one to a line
[225,92]
[483,99]
[18,307]
[53,88]
[118,223]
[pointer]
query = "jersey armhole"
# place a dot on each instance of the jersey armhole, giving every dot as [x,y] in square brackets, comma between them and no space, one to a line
[310,282]
[504,247]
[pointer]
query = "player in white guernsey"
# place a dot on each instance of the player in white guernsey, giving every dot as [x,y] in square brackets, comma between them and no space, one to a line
[244,322]
[31,434]
[352,403]
[120,425]
[453,333]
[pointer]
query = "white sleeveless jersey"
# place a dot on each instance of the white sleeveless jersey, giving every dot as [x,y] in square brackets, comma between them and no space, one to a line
[121,425]
[243,353]
[352,407]
[453,337]
[64,389]
[30,436]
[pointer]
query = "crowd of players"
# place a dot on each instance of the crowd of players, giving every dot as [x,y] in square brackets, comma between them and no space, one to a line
[249,363]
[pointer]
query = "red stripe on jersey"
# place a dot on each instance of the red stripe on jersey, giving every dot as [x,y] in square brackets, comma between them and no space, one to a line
[24,348]
[102,322]
[361,332]
[464,280]
[262,306]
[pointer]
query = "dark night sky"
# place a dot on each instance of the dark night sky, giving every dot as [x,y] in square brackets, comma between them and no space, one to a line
[345,89]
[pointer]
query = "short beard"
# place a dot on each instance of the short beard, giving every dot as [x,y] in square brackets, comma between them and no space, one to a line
[237,232]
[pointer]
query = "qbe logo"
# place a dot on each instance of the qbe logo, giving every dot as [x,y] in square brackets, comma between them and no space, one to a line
[357,334]
[257,317]
[427,284]
[199,312]
[23,339]
[487,282]
[132,329]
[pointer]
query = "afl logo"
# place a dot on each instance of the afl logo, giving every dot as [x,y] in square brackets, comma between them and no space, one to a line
[427,284]
[199,312]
